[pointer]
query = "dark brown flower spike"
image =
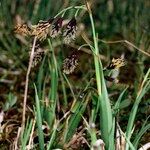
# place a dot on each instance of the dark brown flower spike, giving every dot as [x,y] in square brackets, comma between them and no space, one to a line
[56,27]
[70,63]
[22,29]
[38,55]
[42,29]
[70,31]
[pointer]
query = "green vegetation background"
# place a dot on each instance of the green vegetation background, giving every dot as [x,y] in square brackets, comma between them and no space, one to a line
[114,20]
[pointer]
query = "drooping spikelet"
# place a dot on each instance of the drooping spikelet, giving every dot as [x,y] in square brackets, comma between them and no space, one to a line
[70,31]
[70,63]
[56,27]
[38,55]
[42,29]
[22,29]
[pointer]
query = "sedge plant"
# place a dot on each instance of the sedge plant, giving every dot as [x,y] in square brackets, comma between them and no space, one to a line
[91,106]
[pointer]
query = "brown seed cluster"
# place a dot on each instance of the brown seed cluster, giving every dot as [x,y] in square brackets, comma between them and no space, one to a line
[115,66]
[56,28]
[42,29]
[70,31]
[22,29]
[38,56]
[116,63]
[70,63]
[52,27]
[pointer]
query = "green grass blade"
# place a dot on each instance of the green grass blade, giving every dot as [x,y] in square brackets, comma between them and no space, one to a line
[141,133]
[39,120]
[26,134]
[91,131]
[117,104]
[133,113]
[53,135]
[50,111]
[75,118]
[106,123]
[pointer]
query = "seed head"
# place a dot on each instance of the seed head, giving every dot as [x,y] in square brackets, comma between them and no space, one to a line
[42,29]
[38,56]
[70,31]
[70,63]
[22,29]
[56,27]
[114,66]
[116,63]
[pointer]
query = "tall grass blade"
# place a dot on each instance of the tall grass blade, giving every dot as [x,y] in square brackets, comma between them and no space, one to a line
[144,88]
[26,134]
[75,118]
[53,135]
[106,122]
[141,133]
[39,120]
[50,111]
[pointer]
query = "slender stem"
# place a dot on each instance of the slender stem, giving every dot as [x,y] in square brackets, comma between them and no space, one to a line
[98,65]
[127,42]
[68,8]
[31,134]
[27,82]
[71,89]
[85,45]
[76,14]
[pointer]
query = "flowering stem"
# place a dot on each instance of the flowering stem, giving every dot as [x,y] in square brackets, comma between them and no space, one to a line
[84,46]
[68,8]
[76,14]
[27,82]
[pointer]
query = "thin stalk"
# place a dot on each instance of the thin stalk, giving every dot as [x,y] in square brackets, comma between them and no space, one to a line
[31,134]
[127,42]
[27,82]
[65,102]
[71,89]
[68,8]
